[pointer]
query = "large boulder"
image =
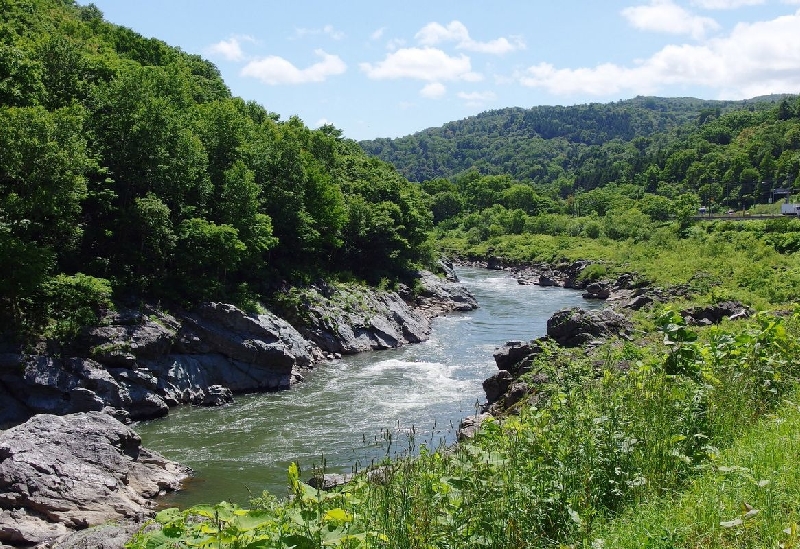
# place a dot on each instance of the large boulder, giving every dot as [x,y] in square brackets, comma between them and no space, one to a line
[575,327]
[62,473]
[515,356]
[713,314]
[112,535]
[439,296]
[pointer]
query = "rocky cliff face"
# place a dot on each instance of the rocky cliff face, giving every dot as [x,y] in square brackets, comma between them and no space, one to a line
[139,363]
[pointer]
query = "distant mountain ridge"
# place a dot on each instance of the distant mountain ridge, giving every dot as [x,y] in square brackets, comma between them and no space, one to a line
[524,142]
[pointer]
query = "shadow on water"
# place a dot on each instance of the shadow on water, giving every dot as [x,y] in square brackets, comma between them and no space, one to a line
[347,411]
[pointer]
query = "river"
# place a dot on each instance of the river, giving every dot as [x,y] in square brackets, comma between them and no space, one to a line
[360,409]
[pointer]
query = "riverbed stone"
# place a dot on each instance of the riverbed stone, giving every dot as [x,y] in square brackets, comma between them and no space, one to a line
[471,425]
[496,385]
[713,314]
[104,536]
[575,326]
[509,356]
[597,290]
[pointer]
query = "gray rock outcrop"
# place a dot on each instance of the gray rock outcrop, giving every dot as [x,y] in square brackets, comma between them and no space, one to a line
[65,473]
[575,327]
[713,314]
[349,318]
[569,328]
[438,296]
[139,363]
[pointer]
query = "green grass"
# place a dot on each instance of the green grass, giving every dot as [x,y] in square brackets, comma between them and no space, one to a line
[732,260]
[748,496]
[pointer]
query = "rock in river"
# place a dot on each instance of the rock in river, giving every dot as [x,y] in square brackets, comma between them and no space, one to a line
[65,473]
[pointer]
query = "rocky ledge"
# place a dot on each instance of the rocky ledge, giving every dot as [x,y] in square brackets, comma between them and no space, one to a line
[345,319]
[60,474]
[138,363]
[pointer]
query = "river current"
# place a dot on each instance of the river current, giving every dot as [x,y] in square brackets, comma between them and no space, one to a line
[355,411]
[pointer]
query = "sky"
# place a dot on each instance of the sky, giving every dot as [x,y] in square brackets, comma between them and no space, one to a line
[387,69]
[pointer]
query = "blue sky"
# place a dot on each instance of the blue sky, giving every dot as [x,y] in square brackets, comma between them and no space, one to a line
[388,69]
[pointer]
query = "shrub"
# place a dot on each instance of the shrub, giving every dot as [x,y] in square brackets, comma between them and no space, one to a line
[73,302]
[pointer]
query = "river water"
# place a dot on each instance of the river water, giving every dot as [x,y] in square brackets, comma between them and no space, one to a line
[358,410]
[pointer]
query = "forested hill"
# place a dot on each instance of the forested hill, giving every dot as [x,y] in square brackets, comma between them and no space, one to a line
[541,143]
[128,169]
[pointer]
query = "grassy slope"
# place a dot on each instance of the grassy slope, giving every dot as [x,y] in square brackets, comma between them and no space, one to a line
[726,264]
[747,497]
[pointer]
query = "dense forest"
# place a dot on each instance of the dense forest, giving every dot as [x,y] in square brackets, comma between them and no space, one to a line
[128,170]
[583,147]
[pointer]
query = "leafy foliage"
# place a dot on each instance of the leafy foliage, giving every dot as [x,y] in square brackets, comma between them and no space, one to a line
[129,160]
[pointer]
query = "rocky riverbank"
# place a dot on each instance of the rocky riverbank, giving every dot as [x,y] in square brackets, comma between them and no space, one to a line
[59,474]
[68,462]
[577,327]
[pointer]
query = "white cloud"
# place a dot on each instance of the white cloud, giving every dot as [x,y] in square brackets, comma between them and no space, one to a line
[395,44]
[433,90]
[327,30]
[274,70]
[377,33]
[230,50]
[725,4]
[666,16]
[429,64]
[477,99]
[755,59]
[434,33]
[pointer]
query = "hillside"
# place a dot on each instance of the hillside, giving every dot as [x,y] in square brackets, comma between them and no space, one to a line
[541,143]
[128,170]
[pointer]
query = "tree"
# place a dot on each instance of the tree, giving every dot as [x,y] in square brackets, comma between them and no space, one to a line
[143,130]
[446,205]
[684,208]
[20,78]
[153,238]
[43,162]
[63,71]
[207,252]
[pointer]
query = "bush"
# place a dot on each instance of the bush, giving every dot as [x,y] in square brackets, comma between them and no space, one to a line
[73,302]
[593,272]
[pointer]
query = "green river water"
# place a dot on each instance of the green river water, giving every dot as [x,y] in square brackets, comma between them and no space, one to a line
[357,410]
